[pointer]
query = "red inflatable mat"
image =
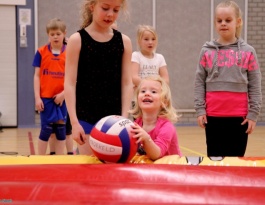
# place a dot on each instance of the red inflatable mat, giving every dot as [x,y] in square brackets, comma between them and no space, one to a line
[131,184]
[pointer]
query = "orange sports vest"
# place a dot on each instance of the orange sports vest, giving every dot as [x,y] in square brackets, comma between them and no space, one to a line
[52,72]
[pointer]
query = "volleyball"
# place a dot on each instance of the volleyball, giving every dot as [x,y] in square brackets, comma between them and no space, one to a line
[111,139]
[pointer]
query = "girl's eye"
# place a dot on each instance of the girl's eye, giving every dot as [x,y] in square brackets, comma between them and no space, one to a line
[154,91]
[116,11]
[142,91]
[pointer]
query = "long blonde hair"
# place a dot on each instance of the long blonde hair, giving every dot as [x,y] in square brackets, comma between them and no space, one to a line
[167,110]
[86,13]
[238,13]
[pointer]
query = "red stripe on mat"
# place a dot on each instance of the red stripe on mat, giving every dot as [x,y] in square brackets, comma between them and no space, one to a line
[31,144]
[141,184]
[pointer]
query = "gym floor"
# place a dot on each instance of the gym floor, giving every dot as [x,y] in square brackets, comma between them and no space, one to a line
[23,141]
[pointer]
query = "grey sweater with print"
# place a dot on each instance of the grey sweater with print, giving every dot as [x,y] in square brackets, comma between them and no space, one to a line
[232,68]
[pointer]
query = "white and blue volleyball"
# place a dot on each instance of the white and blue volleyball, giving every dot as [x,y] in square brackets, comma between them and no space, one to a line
[111,139]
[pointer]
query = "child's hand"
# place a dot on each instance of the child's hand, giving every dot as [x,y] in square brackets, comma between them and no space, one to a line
[202,120]
[58,99]
[39,105]
[251,125]
[78,134]
[140,134]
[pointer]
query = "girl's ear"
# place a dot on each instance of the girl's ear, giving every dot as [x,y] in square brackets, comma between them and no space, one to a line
[239,22]
[164,104]
[91,7]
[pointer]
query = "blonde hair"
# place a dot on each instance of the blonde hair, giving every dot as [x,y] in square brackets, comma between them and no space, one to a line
[167,110]
[238,13]
[87,16]
[141,29]
[55,24]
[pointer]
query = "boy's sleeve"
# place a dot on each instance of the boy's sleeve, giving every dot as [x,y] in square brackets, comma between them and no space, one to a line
[37,60]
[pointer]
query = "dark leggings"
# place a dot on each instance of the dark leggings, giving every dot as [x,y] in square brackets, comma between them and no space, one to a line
[225,136]
[68,125]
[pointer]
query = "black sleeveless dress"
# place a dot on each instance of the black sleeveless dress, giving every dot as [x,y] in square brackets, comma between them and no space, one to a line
[98,88]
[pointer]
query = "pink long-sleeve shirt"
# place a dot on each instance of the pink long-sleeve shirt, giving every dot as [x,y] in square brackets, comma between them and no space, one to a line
[165,136]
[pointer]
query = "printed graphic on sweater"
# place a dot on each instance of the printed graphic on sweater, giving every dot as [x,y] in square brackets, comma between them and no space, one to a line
[229,58]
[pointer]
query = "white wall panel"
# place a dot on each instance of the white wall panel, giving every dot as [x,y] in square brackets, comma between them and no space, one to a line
[8,66]
[12,2]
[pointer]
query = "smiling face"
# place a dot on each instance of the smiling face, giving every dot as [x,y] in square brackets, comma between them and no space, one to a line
[149,97]
[105,12]
[226,24]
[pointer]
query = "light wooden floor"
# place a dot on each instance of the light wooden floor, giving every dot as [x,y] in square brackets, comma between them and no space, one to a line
[191,140]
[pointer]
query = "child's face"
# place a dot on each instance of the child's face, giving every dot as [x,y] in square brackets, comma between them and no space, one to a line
[149,97]
[56,37]
[148,42]
[105,12]
[226,23]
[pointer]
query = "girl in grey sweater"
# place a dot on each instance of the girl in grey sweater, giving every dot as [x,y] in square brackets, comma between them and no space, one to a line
[227,86]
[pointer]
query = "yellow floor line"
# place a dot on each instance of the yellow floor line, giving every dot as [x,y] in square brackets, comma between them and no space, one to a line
[189,150]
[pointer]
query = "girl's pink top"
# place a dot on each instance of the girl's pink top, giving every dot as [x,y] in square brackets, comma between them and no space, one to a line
[165,136]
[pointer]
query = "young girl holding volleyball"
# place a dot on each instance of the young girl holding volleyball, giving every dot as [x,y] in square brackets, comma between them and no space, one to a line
[155,115]
[98,73]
